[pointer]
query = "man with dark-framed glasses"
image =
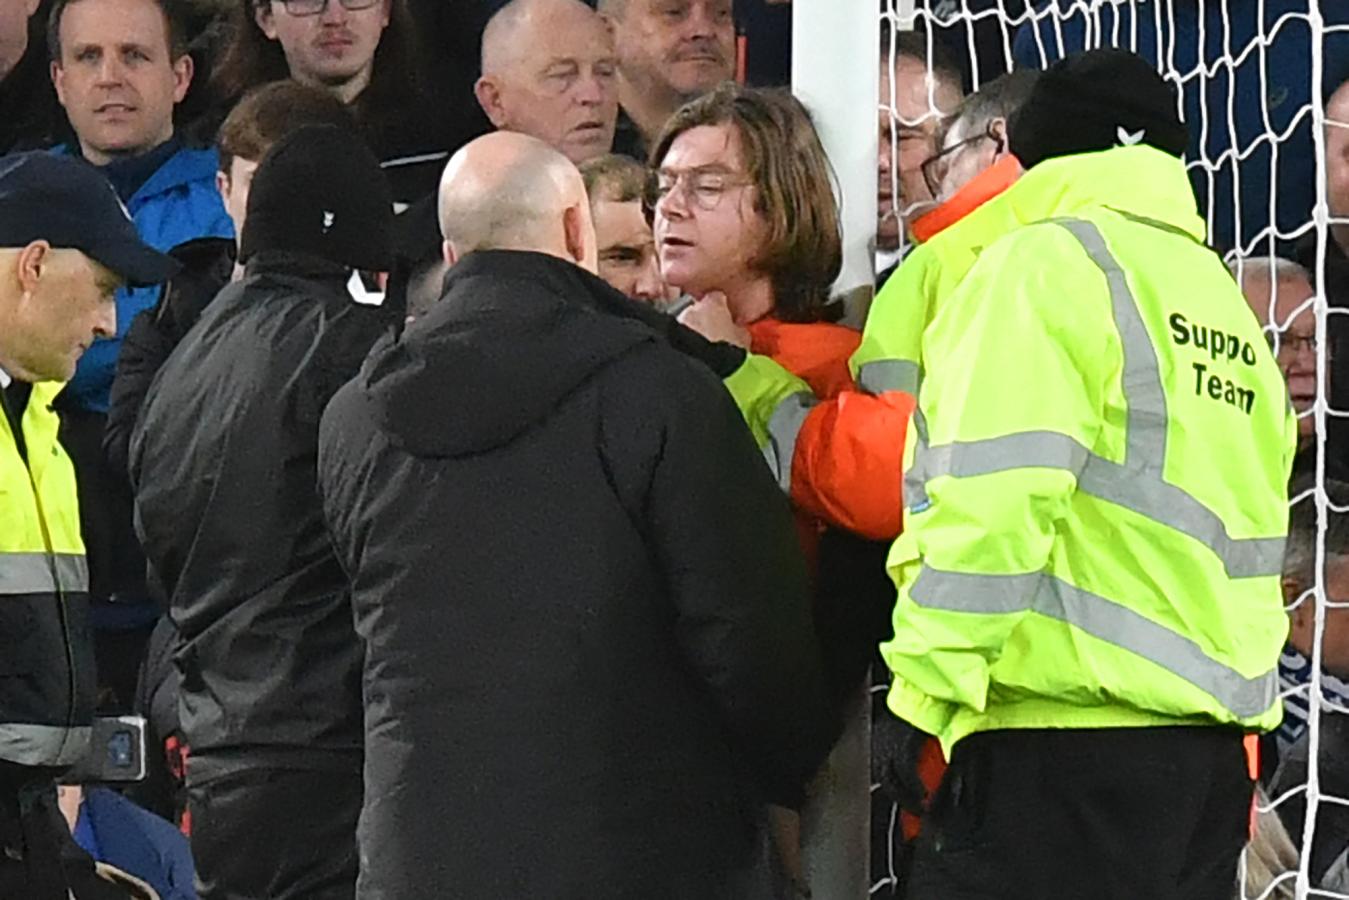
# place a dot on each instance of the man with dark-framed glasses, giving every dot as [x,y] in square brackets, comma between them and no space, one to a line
[976,137]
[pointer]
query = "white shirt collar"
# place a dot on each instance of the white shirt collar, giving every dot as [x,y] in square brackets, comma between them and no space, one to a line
[4,379]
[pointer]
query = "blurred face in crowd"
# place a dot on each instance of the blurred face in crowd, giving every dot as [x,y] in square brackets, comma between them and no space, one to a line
[1335,638]
[14,16]
[627,250]
[54,304]
[908,124]
[967,149]
[707,231]
[1337,160]
[1294,317]
[554,76]
[117,77]
[679,48]
[326,43]
[233,185]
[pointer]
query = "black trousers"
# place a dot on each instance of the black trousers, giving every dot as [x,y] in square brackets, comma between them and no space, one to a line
[267,833]
[1100,814]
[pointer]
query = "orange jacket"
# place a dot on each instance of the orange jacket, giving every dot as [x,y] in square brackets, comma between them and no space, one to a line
[842,450]
[815,352]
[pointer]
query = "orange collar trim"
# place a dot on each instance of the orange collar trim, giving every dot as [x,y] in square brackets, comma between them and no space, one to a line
[983,187]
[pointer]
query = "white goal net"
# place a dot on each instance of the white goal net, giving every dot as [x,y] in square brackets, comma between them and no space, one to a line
[1269,161]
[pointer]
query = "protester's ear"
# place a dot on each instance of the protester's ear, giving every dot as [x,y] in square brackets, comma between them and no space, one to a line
[488,93]
[449,253]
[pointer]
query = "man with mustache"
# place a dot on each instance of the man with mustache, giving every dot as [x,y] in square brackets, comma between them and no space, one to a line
[669,52]
[549,71]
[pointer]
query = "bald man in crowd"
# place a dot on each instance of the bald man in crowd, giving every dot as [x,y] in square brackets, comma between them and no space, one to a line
[589,655]
[549,71]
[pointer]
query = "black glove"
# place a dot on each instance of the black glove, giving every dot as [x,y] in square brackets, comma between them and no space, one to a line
[896,747]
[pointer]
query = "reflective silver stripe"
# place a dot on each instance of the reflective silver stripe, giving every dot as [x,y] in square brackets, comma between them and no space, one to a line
[784,427]
[1137,483]
[31,573]
[1026,449]
[1168,505]
[1152,498]
[883,375]
[1104,619]
[43,745]
[1142,377]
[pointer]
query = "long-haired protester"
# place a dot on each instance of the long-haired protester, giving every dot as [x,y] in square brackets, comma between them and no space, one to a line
[364,53]
[747,227]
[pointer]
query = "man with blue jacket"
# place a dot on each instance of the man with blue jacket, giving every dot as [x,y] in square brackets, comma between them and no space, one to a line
[120,68]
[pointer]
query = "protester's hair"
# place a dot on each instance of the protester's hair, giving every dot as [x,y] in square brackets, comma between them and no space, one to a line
[250,58]
[1279,269]
[1269,855]
[793,190]
[173,27]
[914,45]
[615,178]
[1299,559]
[268,113]
[998,99]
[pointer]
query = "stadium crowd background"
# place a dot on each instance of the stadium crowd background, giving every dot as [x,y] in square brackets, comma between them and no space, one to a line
[177,101]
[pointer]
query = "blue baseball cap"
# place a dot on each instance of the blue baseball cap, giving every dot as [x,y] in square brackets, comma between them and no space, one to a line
[70,205]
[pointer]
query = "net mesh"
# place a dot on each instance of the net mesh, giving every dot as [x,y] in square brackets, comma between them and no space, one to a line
[1255,81]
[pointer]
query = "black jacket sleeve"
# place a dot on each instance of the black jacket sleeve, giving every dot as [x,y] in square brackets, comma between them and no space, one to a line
[724,539]
[144,350]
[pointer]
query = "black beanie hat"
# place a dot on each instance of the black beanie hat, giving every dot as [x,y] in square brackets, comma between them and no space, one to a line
[1094,101]
[320,191]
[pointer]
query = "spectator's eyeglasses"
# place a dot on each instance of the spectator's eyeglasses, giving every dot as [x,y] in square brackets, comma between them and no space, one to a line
[314,7]
[1292,344]
[936,166]
[702,188]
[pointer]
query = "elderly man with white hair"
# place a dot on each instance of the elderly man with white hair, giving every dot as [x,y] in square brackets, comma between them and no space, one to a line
[549,71]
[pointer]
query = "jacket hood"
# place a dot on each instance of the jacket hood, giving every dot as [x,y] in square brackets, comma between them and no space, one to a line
[513,335]
[1139,180]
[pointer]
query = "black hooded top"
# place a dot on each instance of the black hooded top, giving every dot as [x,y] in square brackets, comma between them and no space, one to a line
[589,656]
[222,461]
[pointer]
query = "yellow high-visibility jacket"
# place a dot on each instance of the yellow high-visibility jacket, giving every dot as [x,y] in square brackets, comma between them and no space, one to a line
[1097,505]
[46,652]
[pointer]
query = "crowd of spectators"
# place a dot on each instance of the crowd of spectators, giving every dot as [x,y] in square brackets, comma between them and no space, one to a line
[358,106]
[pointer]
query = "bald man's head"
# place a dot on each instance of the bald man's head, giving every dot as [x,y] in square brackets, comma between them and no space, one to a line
[508,191]
[1337,152]
[549,70]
